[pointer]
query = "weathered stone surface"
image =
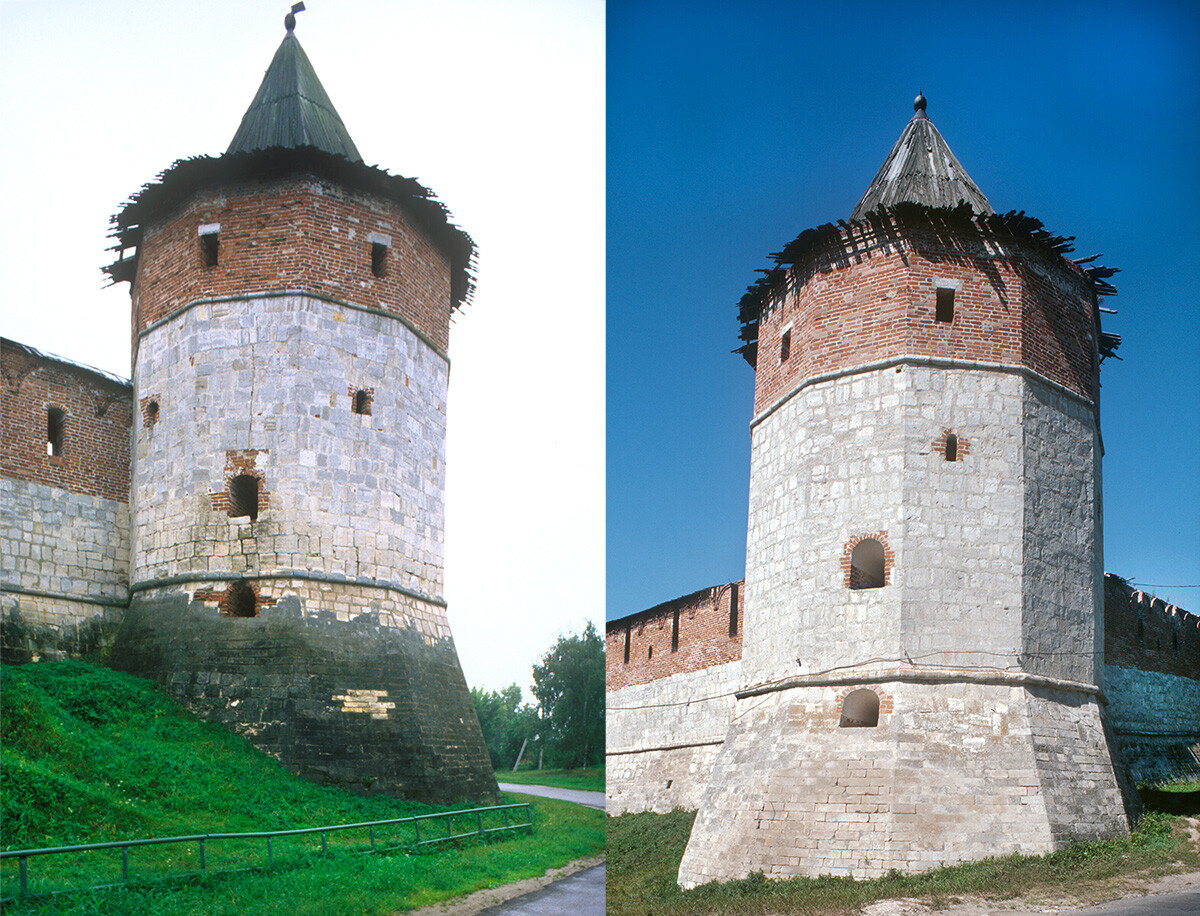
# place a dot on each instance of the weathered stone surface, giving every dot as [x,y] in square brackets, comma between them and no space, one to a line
[352,702]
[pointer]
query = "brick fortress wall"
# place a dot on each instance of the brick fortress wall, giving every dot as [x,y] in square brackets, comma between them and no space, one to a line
[64,487]
[670,698]
[1152,683]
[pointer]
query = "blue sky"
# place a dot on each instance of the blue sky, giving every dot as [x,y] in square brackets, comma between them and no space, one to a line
[733,127]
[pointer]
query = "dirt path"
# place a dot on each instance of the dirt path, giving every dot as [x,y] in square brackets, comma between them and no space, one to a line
[1043,905]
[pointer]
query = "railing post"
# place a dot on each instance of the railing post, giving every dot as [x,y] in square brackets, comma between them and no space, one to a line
[505,818]
[479,821]
[125,863]
[371,834]
[202,854]
[417,828]
[24,876]
[270,855]
[449,832]
[324,847]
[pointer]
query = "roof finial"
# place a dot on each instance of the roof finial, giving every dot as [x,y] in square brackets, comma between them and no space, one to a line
[919,102]
[289,21]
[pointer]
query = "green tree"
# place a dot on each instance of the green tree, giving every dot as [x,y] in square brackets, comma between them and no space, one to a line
[505,722]
[569,685]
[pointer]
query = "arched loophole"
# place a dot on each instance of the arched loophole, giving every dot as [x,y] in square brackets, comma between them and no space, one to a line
[952,447]
[860,709]
[241,601]
[243,496]
[867,565]
[362,402]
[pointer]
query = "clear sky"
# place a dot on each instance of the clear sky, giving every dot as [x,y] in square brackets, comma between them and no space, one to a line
[733,127]
[496,106]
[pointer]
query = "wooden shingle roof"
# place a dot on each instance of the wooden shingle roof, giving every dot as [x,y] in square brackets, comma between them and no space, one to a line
[921,169]
[291,109]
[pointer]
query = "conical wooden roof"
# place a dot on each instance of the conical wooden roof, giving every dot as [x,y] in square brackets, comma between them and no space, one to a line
[291,109]
[921,169]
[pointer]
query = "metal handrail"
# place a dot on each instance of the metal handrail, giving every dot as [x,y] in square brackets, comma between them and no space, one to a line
[23,855]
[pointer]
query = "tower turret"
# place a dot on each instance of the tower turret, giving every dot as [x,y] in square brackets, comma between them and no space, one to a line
[923,568]
[291,311]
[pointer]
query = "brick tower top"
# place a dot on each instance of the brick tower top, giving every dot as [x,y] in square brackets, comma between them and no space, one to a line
[925,269]
[290,189]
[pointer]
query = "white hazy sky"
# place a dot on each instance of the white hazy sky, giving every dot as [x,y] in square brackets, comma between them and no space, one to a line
[496,105]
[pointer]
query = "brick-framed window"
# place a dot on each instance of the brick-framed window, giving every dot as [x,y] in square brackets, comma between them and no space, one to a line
[861,707]
[950,446]
[361,400]
[867,561]
[150,410]
[244,494]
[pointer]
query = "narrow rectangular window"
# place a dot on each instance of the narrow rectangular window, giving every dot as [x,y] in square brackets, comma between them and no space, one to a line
[675,632]
[56,422]
[210,244]
[627,645]
[785,345]
[379,252]
[733,609]
[945,305]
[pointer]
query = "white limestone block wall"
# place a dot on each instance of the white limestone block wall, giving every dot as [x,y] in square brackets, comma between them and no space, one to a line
[355,496]
[662,738]
[956,772]
[59,547]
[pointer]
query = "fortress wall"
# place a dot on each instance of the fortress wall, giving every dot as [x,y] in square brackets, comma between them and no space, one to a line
[64,506]
[953,772]
[662,737]
[690,633]
[265,387]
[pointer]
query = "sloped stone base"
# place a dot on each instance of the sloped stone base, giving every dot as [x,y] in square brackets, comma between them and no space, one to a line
[960,770]
[347,702]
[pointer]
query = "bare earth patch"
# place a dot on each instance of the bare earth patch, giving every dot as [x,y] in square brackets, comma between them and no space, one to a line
[1084,897]
[481,900]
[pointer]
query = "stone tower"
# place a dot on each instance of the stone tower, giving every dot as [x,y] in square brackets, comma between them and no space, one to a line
[291,311]
[923,565]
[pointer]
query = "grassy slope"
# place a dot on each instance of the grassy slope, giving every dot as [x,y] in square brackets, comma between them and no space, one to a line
[90,755]
[644,851]
[588,780]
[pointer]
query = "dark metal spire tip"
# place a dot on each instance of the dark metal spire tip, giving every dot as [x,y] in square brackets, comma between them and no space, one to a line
[919,102]
[289,21]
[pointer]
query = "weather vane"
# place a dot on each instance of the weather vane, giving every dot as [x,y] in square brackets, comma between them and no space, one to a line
[289,21]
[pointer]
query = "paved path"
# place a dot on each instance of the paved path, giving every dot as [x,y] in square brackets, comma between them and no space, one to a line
[591,799]
[582,894]
[1181,903]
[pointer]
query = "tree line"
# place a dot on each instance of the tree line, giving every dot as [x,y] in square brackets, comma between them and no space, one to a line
[565,728]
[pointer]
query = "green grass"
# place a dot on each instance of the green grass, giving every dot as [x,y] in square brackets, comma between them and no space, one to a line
[1181,786]
[644,851]
[590,780]
[91,755]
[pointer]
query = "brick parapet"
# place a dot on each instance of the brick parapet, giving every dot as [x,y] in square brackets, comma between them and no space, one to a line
[298,234]
[864,297]
[1146,633]
[690,633]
